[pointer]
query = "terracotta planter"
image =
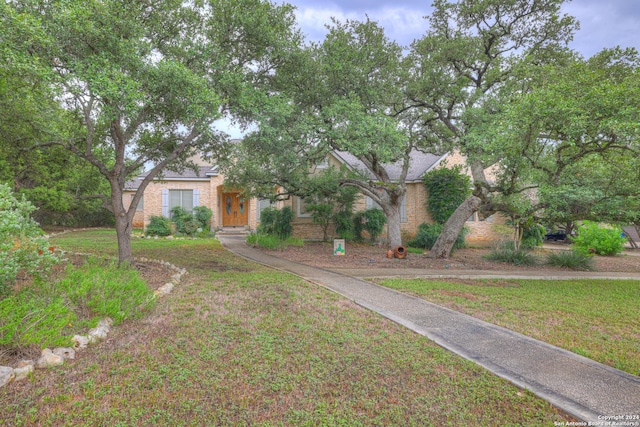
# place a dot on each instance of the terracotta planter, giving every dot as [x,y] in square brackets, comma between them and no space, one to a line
[400,252]
[390,253]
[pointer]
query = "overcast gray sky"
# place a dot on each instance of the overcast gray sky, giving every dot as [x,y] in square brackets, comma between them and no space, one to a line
[603,23]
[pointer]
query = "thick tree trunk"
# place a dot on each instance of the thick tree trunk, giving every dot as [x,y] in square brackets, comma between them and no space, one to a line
[394,236]
[444,245]
[123,226]
[123,231]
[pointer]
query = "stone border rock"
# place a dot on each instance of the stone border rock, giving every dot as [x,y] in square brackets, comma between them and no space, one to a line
[56,357]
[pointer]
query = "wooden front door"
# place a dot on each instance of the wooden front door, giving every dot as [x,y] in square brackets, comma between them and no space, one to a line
[235,210]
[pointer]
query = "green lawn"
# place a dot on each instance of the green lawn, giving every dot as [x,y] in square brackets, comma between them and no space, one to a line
[599,319]
[240,344]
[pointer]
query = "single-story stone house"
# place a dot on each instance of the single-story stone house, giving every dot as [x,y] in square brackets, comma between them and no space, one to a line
[231,209]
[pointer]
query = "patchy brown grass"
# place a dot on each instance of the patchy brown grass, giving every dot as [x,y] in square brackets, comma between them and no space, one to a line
[260,347]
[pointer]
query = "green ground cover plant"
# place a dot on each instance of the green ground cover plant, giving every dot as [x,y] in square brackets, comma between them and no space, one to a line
[267,241]
[590,317]
[240,344]
[47,313]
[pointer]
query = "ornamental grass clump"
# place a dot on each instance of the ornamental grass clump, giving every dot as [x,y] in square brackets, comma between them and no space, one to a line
[573,260]
[506,252]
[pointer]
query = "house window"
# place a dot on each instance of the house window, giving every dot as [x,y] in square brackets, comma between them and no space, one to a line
[186,199]
[323,164]
[261,205]
[140,202]
[302,208]
[371,204]
[182,198]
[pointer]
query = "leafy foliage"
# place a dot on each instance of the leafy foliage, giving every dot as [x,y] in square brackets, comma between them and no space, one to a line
[29,318]
[466,69]
[159,226]
[447,188]
[335,96]
[428,235]
[202,216]
[593,238]
[345,226]
[137,88]
[184,221]
[533,236]
[372,221]
[274,222]
[574,260]
[23,245]
[329,199]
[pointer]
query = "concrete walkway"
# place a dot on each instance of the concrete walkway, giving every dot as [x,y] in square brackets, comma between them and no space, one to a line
[581,387]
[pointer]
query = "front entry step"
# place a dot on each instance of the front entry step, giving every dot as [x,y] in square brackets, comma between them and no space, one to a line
[233,231]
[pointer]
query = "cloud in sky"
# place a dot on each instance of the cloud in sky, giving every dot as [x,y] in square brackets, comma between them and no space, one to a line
[603,23]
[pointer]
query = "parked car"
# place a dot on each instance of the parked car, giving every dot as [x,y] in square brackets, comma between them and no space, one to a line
[556,235]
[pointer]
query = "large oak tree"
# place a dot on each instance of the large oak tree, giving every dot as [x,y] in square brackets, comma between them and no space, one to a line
[342,95]
[145,81]
[472,50]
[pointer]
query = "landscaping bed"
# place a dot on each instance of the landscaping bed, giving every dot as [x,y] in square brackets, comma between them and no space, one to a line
[361,255]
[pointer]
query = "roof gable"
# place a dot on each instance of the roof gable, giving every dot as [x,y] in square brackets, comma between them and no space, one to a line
[420,163]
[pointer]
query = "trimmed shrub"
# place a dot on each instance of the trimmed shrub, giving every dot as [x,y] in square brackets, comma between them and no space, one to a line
[159,226]
[506,252]
[203,215]
[429,233]
[372,221]
[184,221]
[267,220]
[593,238]
[345,227]
[282,226]
[274,222]
[570,259]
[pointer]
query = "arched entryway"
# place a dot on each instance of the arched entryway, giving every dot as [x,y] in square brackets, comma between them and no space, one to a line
[235,210]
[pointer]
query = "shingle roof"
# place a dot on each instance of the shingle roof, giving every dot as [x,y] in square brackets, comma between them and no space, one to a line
[420,164]
[203,172]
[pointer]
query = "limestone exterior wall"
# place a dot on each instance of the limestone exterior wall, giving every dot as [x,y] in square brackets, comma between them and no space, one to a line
[211,189]
[416,214]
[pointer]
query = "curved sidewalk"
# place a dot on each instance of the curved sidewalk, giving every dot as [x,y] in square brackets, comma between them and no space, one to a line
[581,387]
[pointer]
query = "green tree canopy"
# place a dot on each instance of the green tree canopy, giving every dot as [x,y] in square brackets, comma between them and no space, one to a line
[146,81]
[573,136]
[341,95]
[467,65]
